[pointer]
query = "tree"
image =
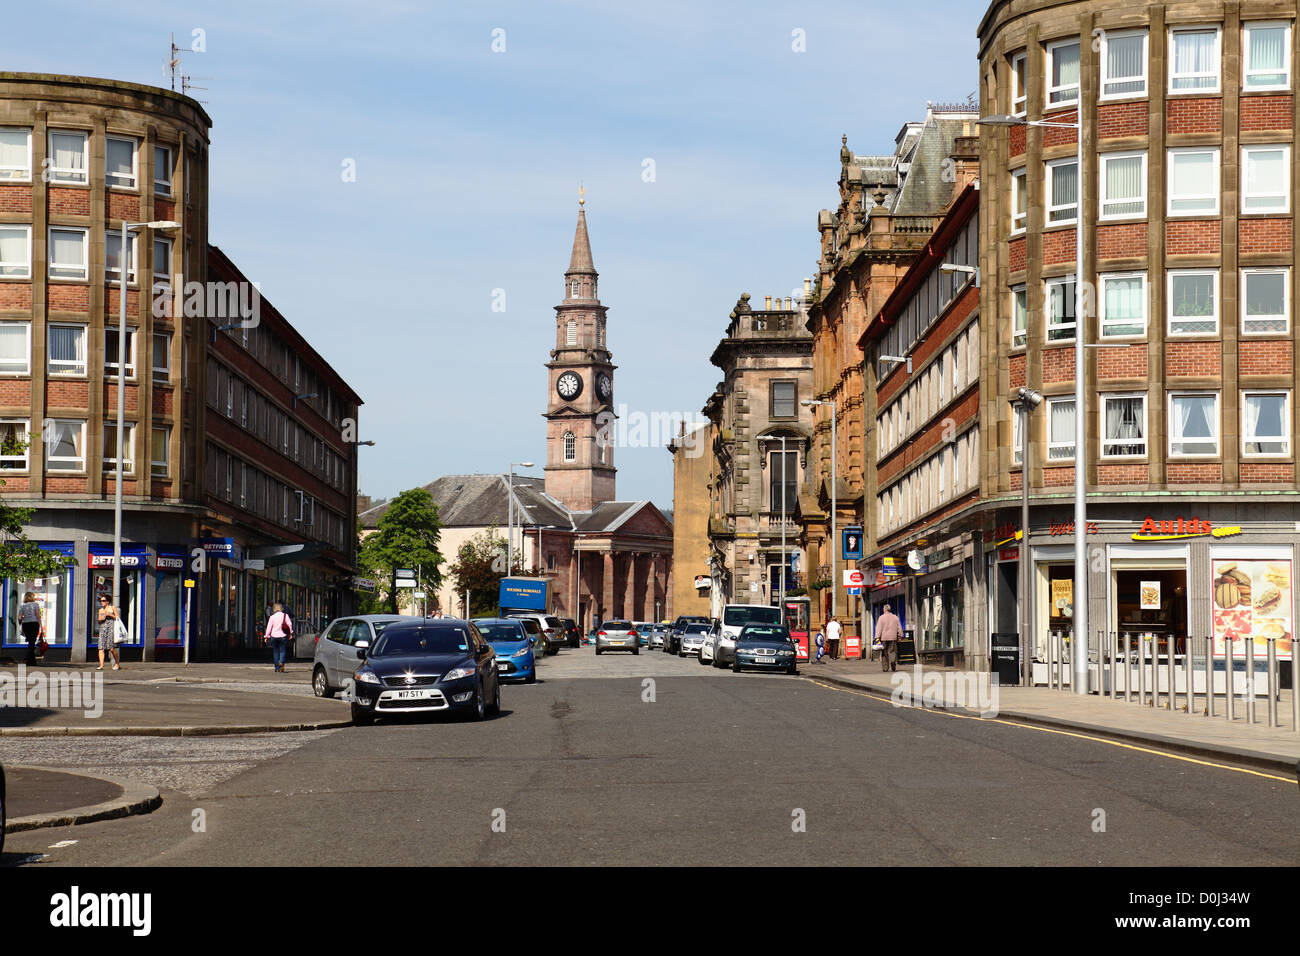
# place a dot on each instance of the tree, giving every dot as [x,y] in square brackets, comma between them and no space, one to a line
[480,566]
[407,537]
[20,558]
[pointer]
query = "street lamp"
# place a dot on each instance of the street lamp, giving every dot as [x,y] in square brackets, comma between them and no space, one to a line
[1079,651]
[1026,400]
[122,256]
[812,403]
[510,512]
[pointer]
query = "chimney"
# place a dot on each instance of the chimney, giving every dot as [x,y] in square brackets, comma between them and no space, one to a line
[788,303]
[767,303]
[807,288]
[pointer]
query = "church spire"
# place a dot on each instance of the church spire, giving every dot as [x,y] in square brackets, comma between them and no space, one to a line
[580,261]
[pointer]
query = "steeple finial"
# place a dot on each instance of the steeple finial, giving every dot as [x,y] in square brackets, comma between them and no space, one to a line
[581,193]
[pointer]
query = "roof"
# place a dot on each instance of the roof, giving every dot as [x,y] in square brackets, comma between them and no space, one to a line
[580,260]
[925,189]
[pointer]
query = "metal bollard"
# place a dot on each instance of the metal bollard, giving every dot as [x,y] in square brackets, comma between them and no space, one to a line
[1272,682]
[1142,670]
[1250,679]
[1128,670]
[1295,691]
[1188,648]
[1230,678]
[1169,671]
[1209,676]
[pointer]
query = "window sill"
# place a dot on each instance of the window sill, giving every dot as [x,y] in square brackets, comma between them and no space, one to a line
[1274,90]
[1141,97]
[1264,214]
[68,376]
[1204,215]
[16,376]
[1181,94]
[1127,217]
[1195,336]
[24,181]
[1269,459]
[63,280]
[26,279]
[68,185]
[1060,225]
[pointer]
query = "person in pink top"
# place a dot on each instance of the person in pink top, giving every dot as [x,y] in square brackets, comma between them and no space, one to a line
[278,631]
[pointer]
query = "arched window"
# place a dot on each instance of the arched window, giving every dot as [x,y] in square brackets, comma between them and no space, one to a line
[570,447]
[571,333]
[575,288]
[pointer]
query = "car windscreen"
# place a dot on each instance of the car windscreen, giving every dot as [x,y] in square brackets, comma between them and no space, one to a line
[751,614]
[380,626]
[698,628]
[616,626]
[421,640]
[760,632]
[501,631]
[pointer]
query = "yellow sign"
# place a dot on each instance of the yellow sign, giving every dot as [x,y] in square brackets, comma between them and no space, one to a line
[189,582]
[1062,593]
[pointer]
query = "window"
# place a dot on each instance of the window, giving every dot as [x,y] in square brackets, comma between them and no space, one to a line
[113,255]
[68,254]
[65,445]
[15,348]
[1124,418]
[120,156]
[1123,305]
[14,444]
[162,348]
[575,287]
[1194,61]
[162,171]
[1123,65]
[1019,201]
[571,333]
[1019,318]
[1062,191]
[1060,424]
[1060,296]
[15,251]
[783,483]
[67,159]
[189,176]
[570,447]
[1194,302]
[1193,182]
[1019,90]
[162,261]
[1265,179]
[783,400]
[15,155]
[1194,424]
[1062,72]
[1265,423]
[110,353]
[1017,419]
[110,448]
[1265,301]
[1123,185]
[67,350]
[1266,56]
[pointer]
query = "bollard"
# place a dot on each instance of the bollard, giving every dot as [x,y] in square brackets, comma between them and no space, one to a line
[1272,682]
[1295,692]
[1188,647]
[1128,670]
[1250,679]
[1142,670]
[1112,648]
[1169,671]
[1230,679]
[1209,676]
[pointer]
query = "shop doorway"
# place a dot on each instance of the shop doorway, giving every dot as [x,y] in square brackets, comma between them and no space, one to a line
[1150,600]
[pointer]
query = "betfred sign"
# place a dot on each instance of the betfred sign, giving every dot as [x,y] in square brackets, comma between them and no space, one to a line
[106,561]
[854,579]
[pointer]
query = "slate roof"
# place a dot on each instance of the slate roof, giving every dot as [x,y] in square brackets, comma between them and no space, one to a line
[924,190]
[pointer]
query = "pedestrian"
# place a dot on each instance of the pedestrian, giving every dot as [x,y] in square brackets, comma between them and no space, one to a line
[278,630]
[31,619]
[108,621]
[889,631]
[833,637]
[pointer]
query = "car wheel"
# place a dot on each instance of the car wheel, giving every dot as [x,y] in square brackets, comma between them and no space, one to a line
[735,668]
[320,683]
[480,705]
[361,716]
[532,675]
[793,672]
[717,661]
[636,651]
[598,652]
[495,707]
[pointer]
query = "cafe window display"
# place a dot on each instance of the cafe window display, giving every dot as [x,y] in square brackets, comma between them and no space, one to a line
[943,616]
[1149,597]
[1252,601]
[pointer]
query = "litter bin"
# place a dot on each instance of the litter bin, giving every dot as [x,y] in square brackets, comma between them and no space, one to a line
[1005,659]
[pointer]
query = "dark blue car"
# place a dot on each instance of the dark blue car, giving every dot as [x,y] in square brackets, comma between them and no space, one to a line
[766,647]
[427,665]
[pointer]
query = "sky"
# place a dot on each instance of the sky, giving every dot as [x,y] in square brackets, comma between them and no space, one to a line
[705,139]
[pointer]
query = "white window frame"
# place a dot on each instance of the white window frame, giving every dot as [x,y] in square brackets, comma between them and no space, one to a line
[84,272]
[1050,181]
[134,183]
[1102,280]
[166,370]
[110,448]
[1019,213]
[1019,90]
[1016,418]
[564,446]
[1103,61]
[113,276]
[1055,445]
[1287,424]
[80,371]
[1048,324]
[68,176]
[1020,303]
[1213,196]
[25,457]
[1246,71]
[1172,274]
[163,277]
[1048,102]
[18,174]
[1217,421]
[1103,199]
[110,358]
[1146,426]
[27,369]
[1218,62]
[80,461]
[1285,206]
[162,187]
[1285,272]
[26,264]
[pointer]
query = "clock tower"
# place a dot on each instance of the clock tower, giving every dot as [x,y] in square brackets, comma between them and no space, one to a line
[580,378]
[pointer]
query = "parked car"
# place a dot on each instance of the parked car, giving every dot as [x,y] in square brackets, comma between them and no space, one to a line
[421,665]
[642,632]
[551,627]
[765,647]
[692,637]
[516,651]
[656,636]
[736,617]
[335,659]
[709,649]
[618,636]
[572,631]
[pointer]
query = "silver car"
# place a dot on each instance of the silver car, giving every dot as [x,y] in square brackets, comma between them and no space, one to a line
[656,636]
[336,660]
[617,636]
[693,638]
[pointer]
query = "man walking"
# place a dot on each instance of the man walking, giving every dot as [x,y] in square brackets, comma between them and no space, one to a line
[889,631]
[832,637]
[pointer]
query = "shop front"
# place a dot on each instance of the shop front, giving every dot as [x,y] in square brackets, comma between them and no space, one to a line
[131,594]
[55,595]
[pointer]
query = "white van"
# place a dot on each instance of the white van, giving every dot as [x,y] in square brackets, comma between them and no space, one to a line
[734,618]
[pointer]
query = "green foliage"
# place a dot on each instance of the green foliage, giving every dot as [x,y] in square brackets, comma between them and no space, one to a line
[407,537]
[19,558]
[480,566]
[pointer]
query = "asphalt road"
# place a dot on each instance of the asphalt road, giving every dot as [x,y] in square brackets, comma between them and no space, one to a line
[718,768]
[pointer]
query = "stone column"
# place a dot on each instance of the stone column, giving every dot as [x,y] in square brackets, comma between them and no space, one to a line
[651,589]
[607,587]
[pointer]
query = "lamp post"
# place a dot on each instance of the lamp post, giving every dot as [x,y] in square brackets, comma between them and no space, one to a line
[1026,400]
[811,403]
[122,259]
[1079,650]
[510,519]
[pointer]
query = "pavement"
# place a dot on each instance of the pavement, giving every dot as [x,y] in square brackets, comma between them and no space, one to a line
[50,798]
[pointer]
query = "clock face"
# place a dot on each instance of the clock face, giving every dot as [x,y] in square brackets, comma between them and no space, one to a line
[569,385]
[604,387]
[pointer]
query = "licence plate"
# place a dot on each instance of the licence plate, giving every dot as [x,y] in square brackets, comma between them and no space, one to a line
[412,694]
[502,666]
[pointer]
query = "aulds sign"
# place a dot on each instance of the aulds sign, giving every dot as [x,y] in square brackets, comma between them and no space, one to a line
[1156,529]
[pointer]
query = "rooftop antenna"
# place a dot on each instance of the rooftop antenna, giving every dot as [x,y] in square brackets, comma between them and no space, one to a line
[187,84]
[174,60]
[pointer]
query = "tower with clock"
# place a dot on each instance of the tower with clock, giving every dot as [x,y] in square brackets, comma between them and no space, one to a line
[580,423]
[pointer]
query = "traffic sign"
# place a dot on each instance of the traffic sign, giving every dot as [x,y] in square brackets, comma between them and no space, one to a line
[853,578]
[853,592]
[404,573]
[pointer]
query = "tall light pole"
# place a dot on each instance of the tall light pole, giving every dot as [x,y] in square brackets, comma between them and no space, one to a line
[811,403]
[510,519]
[123,255]
[1079,648]
[1026,400]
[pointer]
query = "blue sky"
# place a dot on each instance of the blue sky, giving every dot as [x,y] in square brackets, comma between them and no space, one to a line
[467,169]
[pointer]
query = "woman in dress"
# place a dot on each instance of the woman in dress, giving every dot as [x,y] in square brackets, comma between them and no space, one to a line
[108,632]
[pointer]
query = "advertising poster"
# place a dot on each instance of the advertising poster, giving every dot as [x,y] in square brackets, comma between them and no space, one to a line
[1062,596]
[1252,601]
[1150,595]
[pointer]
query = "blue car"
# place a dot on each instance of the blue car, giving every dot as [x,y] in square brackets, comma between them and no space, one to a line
[516,660]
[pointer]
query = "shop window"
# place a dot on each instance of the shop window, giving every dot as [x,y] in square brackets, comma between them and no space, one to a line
[52,594]
[1193,302]
[1194,61]
[1194,424]
[167,598]
[1265,301]
[1266,424]
[1266,56]
[1124,418]
[1123,305]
